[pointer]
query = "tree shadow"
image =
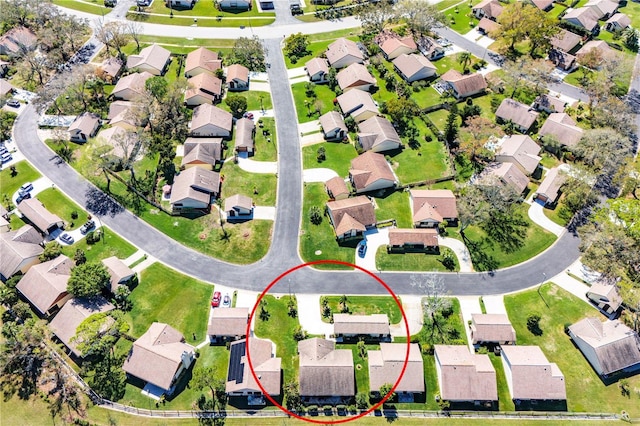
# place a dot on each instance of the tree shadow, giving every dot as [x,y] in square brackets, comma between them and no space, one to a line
[101,204]
[481,260]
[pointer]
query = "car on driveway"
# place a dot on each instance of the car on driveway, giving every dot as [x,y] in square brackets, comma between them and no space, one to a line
[248,115]
[87,227]
[14,103]
[226,302]
[215,300]
[66,238]
[22,197]
[25,188]
[362,248]
[6,157]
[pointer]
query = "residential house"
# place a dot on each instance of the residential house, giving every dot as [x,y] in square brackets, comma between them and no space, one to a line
[544,5]
[562,127]
[423,240]
[343,52]
[110,69]
[237,78]
[549,189]
[5,226]
[358,104]
[121,141]
[506,174]
[377,134]
[563,60]
[522,116]
[17,41]
[386,364]
[180,4]
[203,88]
[430,48]
[159,357]
[464,376]
[84,127]
[566,41]
[355,76]
[228,324]
[414,67]
[605,296]
[353,327]
[490,9]
[605,8]
[618,22]
[610,346]
[120,273]
[549,104]
[193,189]
[38,216]
[371,172]
[4,67]
[209,121]
[131,86]
[431,207]
[464,85]
[152,59]
[245,133]
[201,61]
[392,45]
[74,313]
[530,376]
[318,70]
[350,217]
[20,251]
[486,26]
[6,88]
[337,188]
[121,114]
[492,328]
[238,206]
[326,373]
[234,5]
[584,17]
[240,378]
[602,52]
[520,150]
[205,153]
[45,285]
[333,126]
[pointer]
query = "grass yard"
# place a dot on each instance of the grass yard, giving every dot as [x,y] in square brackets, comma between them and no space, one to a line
[451,62]
[58,203]
[253,100]
[426,161]
[367,305]
[318,43]
[238,181]
[10,184]
[203,9]
[585,390]
[426,97]
[167,296]
[338,157]
[179,46]
[361,366]
[95,7]
[111,245]
[224,22]
[305,107]
[266,146]
[505,403]
[439,118]
[394,205]
[321,238]
[460,18]
[487,255]
[413,261]
[555,214]
[279,328]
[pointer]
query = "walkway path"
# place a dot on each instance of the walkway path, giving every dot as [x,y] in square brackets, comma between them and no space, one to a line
[150,260]
[536,214]
[460,250]
[469,305]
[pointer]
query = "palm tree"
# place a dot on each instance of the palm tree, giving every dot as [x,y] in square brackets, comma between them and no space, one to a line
[464,58]
[225,234]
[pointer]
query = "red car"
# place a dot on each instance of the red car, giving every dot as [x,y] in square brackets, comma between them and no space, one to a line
[215,300]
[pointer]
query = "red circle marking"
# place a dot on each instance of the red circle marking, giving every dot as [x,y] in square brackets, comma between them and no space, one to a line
[347,419]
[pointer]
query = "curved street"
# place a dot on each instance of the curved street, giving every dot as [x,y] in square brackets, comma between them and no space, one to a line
[283,253]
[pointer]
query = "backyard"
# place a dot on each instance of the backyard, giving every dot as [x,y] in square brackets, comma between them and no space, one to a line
[394,205]
[367,305]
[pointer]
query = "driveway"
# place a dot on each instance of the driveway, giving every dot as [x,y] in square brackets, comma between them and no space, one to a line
[460,250]
[259,86]
[310,315]
[312,139]
[494,304]
[318,175]
[310,126]
[39,185]
[264,213]
[374,239]
[412,306]
[469,305]
[252,166]
[536,214]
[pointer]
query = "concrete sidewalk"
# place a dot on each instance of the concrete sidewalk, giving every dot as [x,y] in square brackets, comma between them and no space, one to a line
[469,305]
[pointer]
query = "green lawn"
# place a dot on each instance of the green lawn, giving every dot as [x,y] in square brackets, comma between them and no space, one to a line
[394,205]
[338,157]
[203,9]
[367,305]
[585,390]
[426,97]
[487,255]
[110,245]
[318,43]
[412,261]
[321,238]
[554,214]
[451,62]
[460,18]
[180,46]
[224,22]
[167,296]
[439,118]
[505,403]
[279,328]
[324,100]
[96,7]
[253,100]
[10,184]
[58,203]
[361,366]
[238,181]
[266,150]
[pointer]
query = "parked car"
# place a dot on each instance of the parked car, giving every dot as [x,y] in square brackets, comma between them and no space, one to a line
[14,103]
[226,302]
[5,157]
[215,300]
[362,249]
[66,238]
[248,115]
[25,188]
[22,197]
[87,227]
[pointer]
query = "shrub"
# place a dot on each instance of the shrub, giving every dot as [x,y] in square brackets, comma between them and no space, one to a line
[533,324]
[315,216]
[74,215]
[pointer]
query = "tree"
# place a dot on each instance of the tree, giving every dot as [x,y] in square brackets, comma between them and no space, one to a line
[315,216]
[344,308]
[114,34]
[292,398]
[362,400]
[88,279]
[374,17]
[401,110]
[237,104]
[158,87]
[533,324]
[464,59]
[480,129]
[52,250]
[512,20]
[541,27]
[206,378]
[264,313]
[421,17]
[451,126]
[64,393]
[79,257]
[385,390]
[6,123]
[295,46]
[135,30]
[299,333]
[248,52]
[122,298]
[435,305]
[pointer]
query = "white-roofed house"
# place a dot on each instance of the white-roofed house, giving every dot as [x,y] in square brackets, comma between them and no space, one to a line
[520,150]
[318,70]
[193,189]
[152,59]
[414,67]
[238,207]
[333,126]
[84,127]
[20,251]
[348,327]
[209,121]
[358,104]
[377,134]
[343,52]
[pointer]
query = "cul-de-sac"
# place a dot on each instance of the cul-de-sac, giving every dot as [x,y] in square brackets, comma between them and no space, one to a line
[279,212]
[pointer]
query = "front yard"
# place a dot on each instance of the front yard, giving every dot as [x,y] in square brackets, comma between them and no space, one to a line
[58,203]
[10,183]
[306,106]
[414,261]
[367,305]
[338,157]
[111,244]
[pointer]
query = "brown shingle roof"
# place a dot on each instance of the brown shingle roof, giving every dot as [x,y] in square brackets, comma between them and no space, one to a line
[205,85]
[351,213]
[586,16]
[111,66]
[237,200]
[466,84]
[332,120]
[487,25]
[562,127]
[324,370]
[428,237]
[598,45]
[520,114]
[5,87]
[228,322]
[368,168]
[195,183]
[361,324]
[135,82]
[238,72]
[551,184]
[18,246]
[409,65]
[119,272]
[542,4]
[492,328]
[154,56]
[521,149]
[390,41]
[244,133]
[44,284]
[355,101]
[386,365]
[508,173]
[38,215]
[605,292]
[465,376]
[156,356]
[72,314]
[202,150]
[621,19]
[565,40]
[491,8]
[266,367]
[202,58]
[18,38]
[551,103]
[354,75]
[336,186]
[85,123]
[435,204]
[532,375]
[341,48]
[376,131]
[317,65]
[208,114]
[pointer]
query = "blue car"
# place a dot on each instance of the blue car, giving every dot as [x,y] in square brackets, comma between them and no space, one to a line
[362,249]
